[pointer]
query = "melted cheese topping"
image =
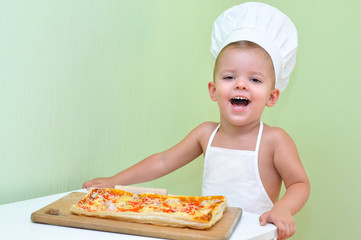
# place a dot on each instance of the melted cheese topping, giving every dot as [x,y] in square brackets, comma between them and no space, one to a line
[120,201]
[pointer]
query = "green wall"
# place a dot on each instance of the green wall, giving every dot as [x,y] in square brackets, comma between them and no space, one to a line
[88,88]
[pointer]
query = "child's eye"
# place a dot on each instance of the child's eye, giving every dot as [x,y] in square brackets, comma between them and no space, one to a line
[255,80]
[228,77]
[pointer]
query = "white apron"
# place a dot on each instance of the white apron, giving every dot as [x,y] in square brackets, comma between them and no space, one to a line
[234,174]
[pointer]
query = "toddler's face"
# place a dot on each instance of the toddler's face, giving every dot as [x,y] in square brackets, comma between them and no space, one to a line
[243,84]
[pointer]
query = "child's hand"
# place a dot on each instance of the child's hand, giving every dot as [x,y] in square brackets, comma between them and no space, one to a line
[283,220]
[99,183]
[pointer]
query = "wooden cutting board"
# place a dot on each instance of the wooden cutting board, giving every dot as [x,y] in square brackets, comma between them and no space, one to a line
[58,213]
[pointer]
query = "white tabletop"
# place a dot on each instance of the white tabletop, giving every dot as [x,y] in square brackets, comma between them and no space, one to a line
[15,223]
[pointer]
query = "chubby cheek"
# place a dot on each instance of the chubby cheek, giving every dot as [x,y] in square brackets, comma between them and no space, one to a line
[222,90]
[224,104]
[222,96]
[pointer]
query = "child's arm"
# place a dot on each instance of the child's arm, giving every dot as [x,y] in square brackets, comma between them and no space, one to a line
[289,167]
[157,165]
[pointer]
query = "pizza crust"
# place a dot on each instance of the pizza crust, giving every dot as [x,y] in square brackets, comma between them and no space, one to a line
[160,218]
[156,218]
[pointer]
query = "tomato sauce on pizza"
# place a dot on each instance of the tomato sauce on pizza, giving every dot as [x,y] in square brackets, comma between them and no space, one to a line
[178,211]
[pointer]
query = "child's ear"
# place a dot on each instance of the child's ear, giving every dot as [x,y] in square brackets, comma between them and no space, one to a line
[212,90]
[273,98]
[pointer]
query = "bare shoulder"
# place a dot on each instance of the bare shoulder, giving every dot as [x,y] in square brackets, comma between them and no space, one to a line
[276,136]
[208,126]
[282,148]
[280,145]
[203,132]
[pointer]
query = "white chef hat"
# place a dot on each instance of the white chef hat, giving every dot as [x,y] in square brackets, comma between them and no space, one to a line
[263,25]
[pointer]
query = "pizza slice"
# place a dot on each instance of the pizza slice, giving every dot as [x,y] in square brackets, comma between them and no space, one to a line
[176,211]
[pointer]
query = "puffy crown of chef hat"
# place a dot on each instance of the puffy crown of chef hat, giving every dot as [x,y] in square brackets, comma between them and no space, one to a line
[264,25]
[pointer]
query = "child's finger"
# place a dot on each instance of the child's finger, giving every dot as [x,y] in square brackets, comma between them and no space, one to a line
[281,230]
[263,219]
[285,230]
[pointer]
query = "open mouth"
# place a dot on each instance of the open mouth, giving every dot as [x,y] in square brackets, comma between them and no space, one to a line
[239,102]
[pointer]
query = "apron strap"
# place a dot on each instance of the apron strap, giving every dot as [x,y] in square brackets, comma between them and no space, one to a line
[259,137]
[211,138]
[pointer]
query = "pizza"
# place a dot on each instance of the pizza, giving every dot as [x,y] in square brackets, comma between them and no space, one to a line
[176,211]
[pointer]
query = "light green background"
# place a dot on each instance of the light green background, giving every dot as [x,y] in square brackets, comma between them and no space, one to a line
[88,88]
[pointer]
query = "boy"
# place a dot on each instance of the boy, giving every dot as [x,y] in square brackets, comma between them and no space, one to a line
[245,160]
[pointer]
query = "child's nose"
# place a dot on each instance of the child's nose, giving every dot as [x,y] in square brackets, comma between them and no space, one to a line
[240,83]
